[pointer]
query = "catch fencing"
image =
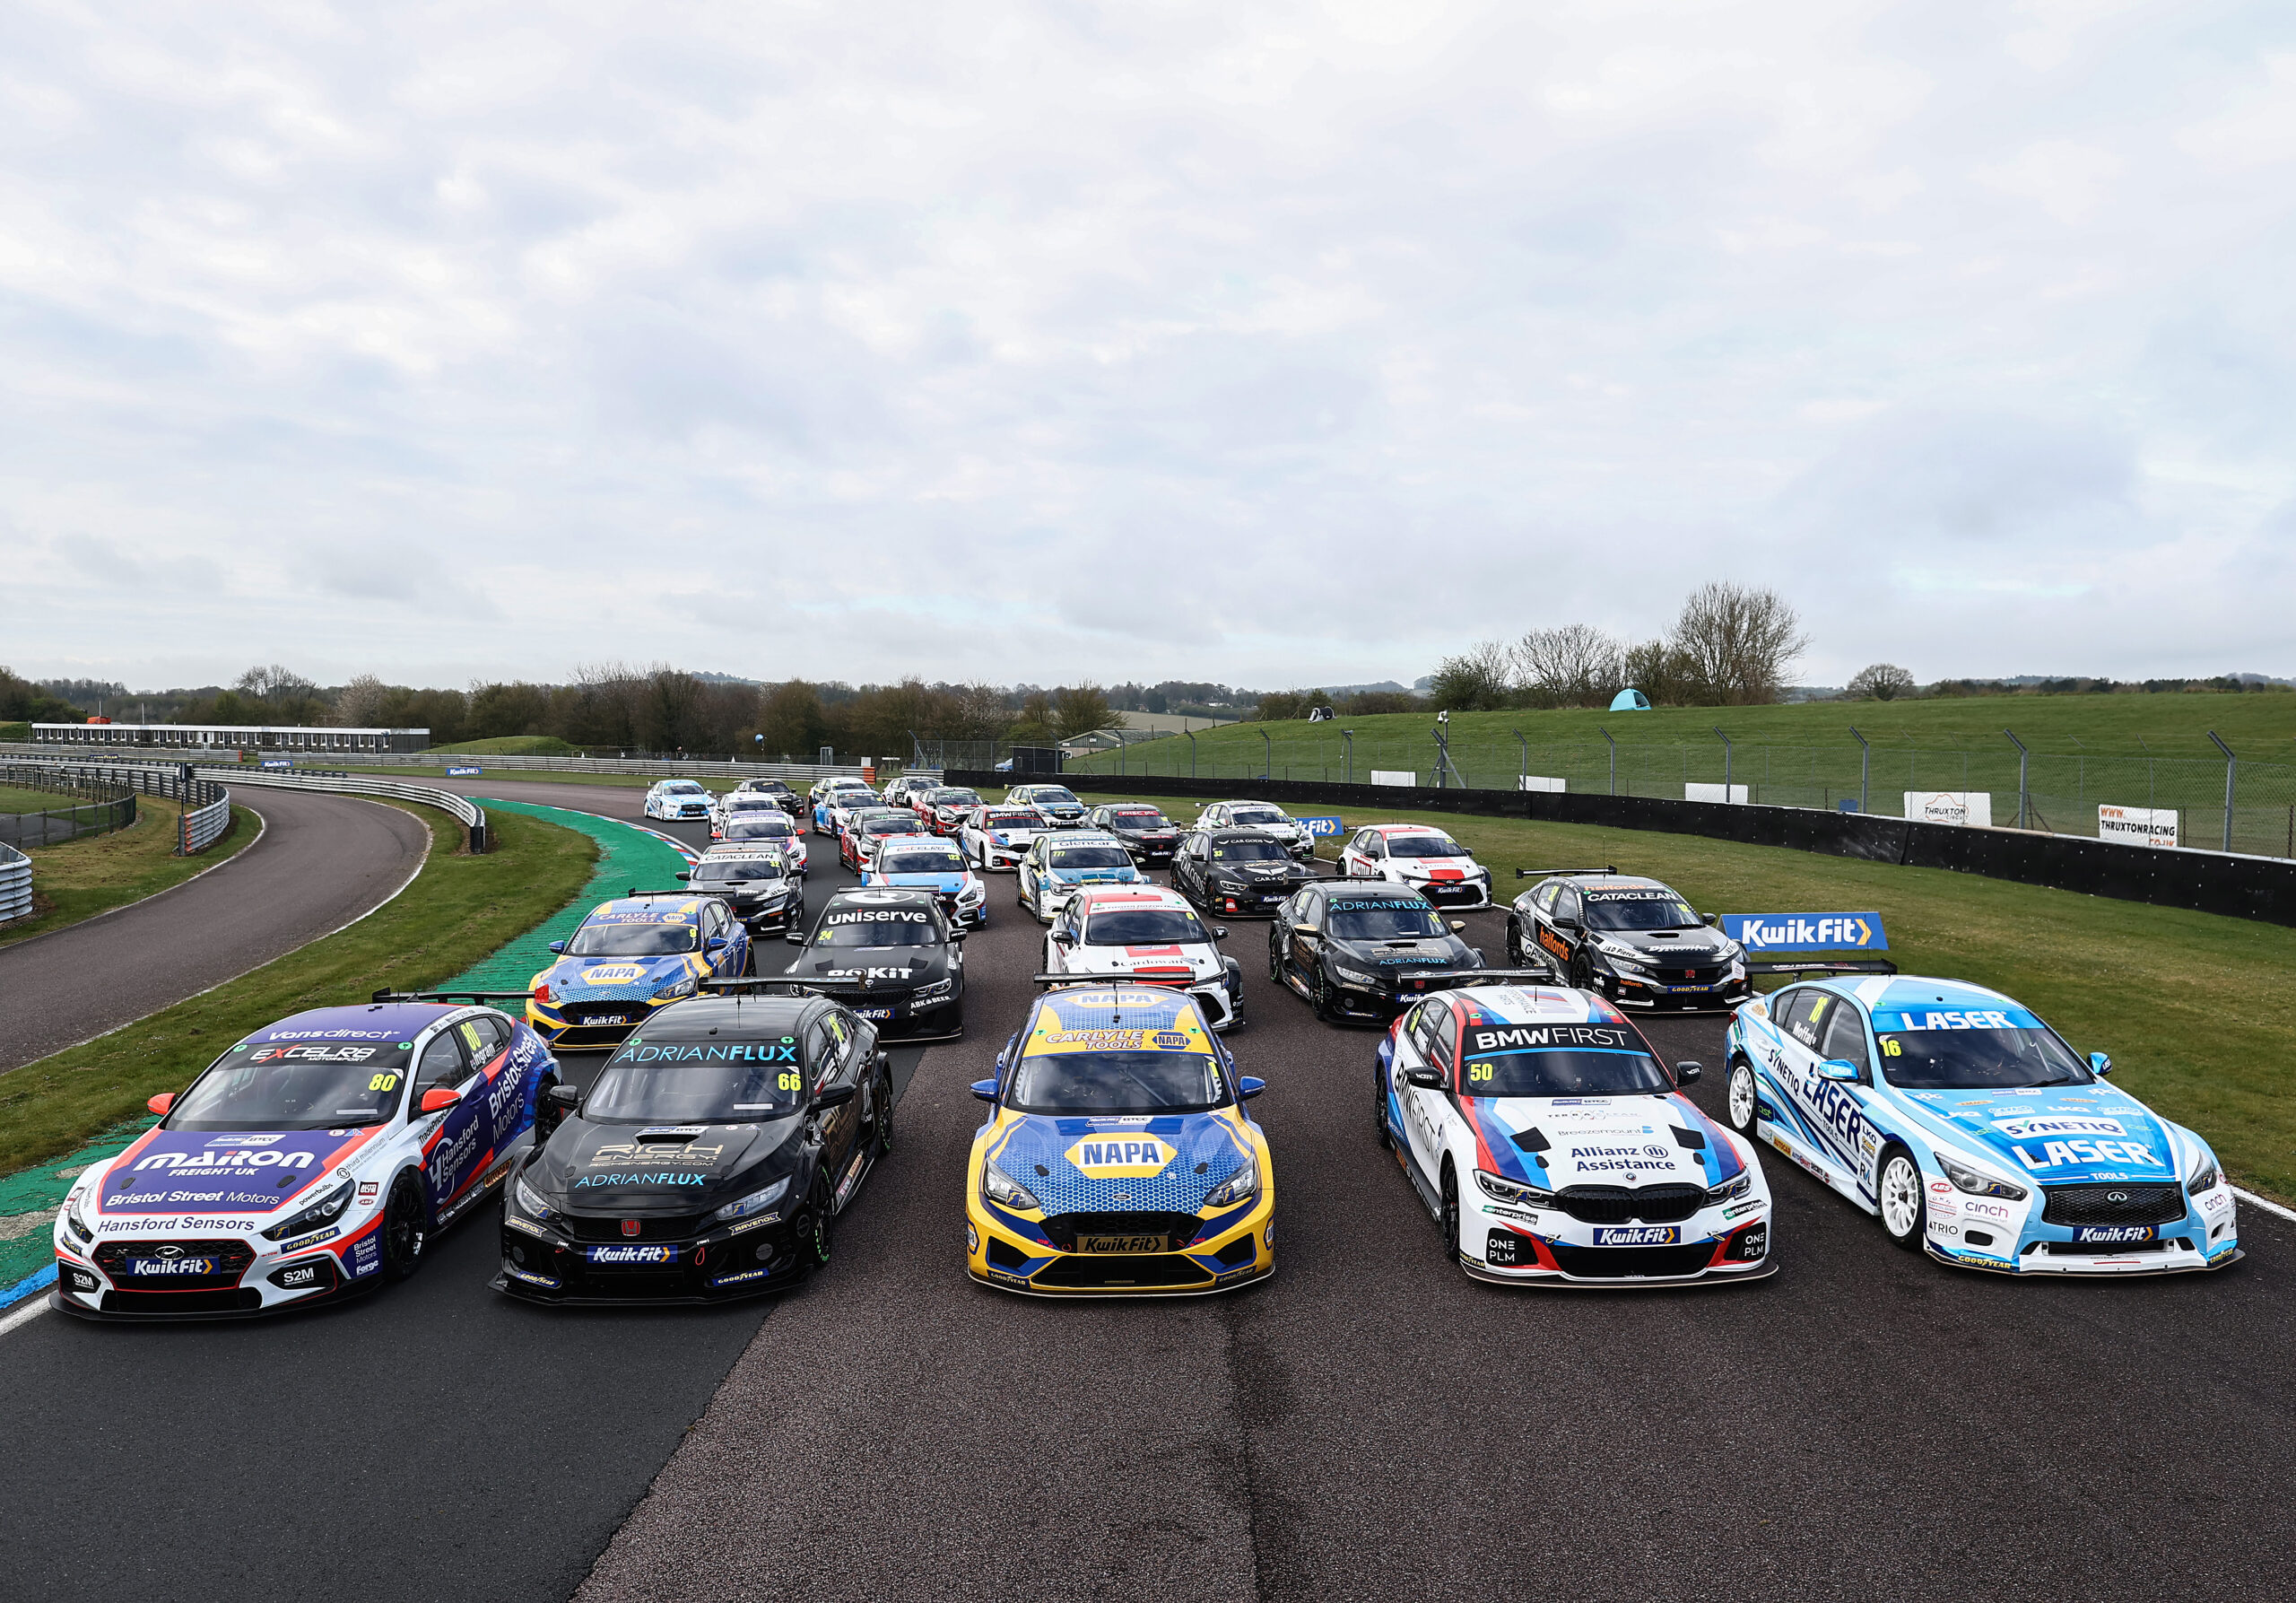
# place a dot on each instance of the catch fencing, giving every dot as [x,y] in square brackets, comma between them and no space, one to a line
[204,800]
[15,884]
[107,806]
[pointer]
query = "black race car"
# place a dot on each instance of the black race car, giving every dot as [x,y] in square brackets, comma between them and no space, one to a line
[1237,871]
[709,1159]
[1634,940]
[756,882]
[1146,834]
[784,798]
[893,956]
[1362,949]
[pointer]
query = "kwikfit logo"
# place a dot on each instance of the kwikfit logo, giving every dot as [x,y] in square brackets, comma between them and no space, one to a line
[1635,1235]
[634,1255]
[2116,1233]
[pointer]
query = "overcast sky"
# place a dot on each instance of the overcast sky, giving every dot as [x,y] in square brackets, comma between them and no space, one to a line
[1273,344]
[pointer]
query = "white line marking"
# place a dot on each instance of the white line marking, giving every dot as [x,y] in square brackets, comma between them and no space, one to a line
[27,1313]
[2253,1200]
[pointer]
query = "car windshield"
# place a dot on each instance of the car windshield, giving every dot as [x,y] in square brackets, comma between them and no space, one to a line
[1974,1051]
[1383,918]
[749,799]
[1116,1083]
[1143,818]
[906,860]
[1144,926]
[1090,856]
[1638,910]
[1054,793]
[711,1082]
[761,826]
[1269,850]
[1559,1060]
[1254,816]
[297,1086]
[624,935]
[1424,846]
[953,798]
[735,869]
[1008,818]
[892,826]
[683,788]
[878,926]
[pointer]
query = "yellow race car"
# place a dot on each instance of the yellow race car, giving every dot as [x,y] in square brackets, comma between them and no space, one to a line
[1118,1159]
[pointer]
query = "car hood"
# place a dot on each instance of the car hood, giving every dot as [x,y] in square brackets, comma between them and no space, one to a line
[591,978]
[2055,1136]
[684,1169]
[872,966]
[1126,876]
[1197,960]
[1689,946]
[1448,950]
[1441,868]
[223,1171]
[924,882]
[1559,1141]
[1103,1165]
[1258,874]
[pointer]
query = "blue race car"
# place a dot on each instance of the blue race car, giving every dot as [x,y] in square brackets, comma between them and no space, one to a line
[630,956]
[1973,1131]
[929,863]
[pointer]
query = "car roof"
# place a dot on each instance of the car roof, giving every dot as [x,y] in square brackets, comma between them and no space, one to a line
[1093,898]
[678,785]
[1410,829]
[1533,1003]
[1245,801]
[377,1020]
[748,851]
[1917,994]
[648,909]
[1115,1018]
[1371,889]
[882,896]
[1084,838]
[1241,831]
[728,1013]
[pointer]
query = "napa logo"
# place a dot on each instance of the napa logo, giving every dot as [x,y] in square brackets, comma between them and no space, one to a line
[614,974]
[1130,1155]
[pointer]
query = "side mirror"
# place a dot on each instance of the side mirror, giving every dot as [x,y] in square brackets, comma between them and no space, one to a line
[160,1103]
[1457,924]
[958,932]
[1838,1068]
[438,1099]
[1426,1079]
[684,877]
[1063,939]
[1248,1088]
[836,1096]
[1306,929]
[1219,932]
[2099,1065]
[795,937]
[1570,924]
[1687,1072]
[985,1089]
[558,946]
[568,1097]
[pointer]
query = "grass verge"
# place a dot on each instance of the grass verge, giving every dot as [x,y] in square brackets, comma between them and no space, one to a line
[93,875]
[554,776]
[2194,1007]
[458,909]
[17,798]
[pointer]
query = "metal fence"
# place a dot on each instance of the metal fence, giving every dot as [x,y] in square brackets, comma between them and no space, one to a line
[469,813]
[15,884]
[110,806]
[204,800]
[199,828]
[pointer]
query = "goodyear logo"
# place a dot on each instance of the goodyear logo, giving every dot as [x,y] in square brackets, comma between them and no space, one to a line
[614,974]
[1122,1157]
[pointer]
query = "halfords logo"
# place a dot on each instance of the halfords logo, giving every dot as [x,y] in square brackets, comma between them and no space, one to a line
[654,1253]
[1122,1157]
[1637,1235]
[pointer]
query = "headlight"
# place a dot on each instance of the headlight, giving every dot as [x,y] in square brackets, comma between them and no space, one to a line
[1502,1189]
[2206,1178]
[1237,1187]
[529,1201]
[972,892]
[72,1220]
[1976,1183]
[1730,1189]
[755,1202]
[683,988]
[1354,976]
[1624,967]
[935,991]
[327,1210]
[1000,1187]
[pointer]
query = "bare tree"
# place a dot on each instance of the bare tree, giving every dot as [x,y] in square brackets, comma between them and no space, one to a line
[1079,710]
[1735,642]
[1576,665]
[360,704]
[1478,679]
[1882,682]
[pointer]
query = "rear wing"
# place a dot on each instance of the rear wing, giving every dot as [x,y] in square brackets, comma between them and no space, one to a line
[1112,982]
[1825,965]
[1551,873]
[451,996]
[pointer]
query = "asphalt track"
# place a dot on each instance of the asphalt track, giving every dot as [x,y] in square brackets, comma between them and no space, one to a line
[323,861]
[1368,1425]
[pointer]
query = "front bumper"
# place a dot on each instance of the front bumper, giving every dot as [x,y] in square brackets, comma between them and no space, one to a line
[590,1025]
[770,921]
[1466,894]
[97,1281]
[902,1022]
[542,1265]
[1249,901]
[1656,996]
[1968,1233]
[1015,1254]
[1548,1247]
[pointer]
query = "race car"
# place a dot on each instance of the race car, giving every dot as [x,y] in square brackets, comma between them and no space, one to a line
[946,806]
[892,957]
[1361,949]
[997,835]
[1635,940]
[708,1161]
[629,957]
[1265,816]
[826,798]
[677,798]
[1422,857]
[866,830]
[904,791]
[928,863]
[1146,831]
[754,878]
[1057,803]
[316,1158]
[1147,934]
[1973,1132]
[1238,871]
[764,826]
[776,790]
[1117,1159]
[1056,866]
[1553,1147]
[740,804]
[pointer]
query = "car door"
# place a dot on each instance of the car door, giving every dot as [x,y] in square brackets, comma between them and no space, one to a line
[1560,931]
[836,1038]
[1305,925]
[456,1141]
[1426,1038]
[1822,1106]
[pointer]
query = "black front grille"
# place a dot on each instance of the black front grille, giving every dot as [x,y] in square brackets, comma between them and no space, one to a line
[1063,1229]
[2111,1202]
[1241,1250]
[2099,1249]
[637,1283]
[1622,1204]
[1004,1255]
[1117,1271]
[207,1302]
[230,1259]
[670,1227]
[581,1013]
[1619,1263]
[1452,895]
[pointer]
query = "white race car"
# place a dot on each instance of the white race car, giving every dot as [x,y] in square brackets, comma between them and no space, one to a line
[821,800]
[1057,803]
[678,798]
[1553,1146]
[315,1158]
[1150,934]
[1265,816]
[1057,865]
[1420,856]
[929,863]
[997,833]
[758,826]
[737,804]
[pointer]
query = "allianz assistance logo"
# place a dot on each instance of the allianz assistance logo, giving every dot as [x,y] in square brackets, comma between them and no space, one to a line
[1127,1156]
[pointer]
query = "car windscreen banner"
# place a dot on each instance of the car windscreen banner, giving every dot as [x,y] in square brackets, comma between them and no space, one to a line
[1806,932]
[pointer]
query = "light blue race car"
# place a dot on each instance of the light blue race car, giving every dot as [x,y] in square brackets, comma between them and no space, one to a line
[1973,1132]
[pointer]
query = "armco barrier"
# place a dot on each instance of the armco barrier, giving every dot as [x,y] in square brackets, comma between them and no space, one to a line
[472,816]
[2210,882]
[173,779]
[197,828]
[15,884]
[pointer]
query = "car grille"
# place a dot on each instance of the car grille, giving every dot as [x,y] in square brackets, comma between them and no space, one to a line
[1452,895]
[1063,1229]
[182,1302]
[1617,1263]
[2100,1249]
[2111,1202]
[636,1284]
[231,1260]
[668,1227]
[1119,1271]
[1620,1205]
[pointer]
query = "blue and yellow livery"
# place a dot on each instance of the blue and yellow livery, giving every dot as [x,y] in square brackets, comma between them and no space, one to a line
[1118,1159]
[628,957]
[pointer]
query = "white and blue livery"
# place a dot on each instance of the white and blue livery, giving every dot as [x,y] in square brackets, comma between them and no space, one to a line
[929,863]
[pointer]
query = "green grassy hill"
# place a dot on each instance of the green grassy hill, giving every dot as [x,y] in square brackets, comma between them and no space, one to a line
[514,746]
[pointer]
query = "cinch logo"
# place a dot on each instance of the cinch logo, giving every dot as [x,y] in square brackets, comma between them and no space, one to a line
[1122,1156]
[1637,1235]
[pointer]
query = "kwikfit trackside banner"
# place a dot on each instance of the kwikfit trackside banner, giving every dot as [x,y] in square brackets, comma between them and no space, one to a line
[1806,932]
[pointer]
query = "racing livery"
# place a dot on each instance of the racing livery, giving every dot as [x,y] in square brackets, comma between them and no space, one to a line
[1636,941]
[1970,1130]
[1422,857]
[708,1161]
[1238,871]
[1055,868]
[1151,837]
[630,956]
[1151,935]
[997,834]
[677,798]
[946,806]
[928,863]
[1553,1147]
[315,1158]
[1057,803]
[865,829]
[1360,949]
[755,880]
[764,826]
[828,799]
[736,804]
[776,791]
[1117,1158]
[892,957]
[1265,816]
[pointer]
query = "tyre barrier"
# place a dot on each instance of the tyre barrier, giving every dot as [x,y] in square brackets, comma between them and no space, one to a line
[15,884]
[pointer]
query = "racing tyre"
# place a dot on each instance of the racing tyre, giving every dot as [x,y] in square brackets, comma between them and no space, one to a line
[1380,1113]
[1898,1182]
[1742,1098]
[1450,1215]
[881,1132]
[1514,946]
[405,1226]
[811,1231]
[1321,997]
[1581,973]
[1274,959]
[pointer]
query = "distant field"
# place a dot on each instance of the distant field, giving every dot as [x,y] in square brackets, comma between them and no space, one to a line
[515,746]
[16,798]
